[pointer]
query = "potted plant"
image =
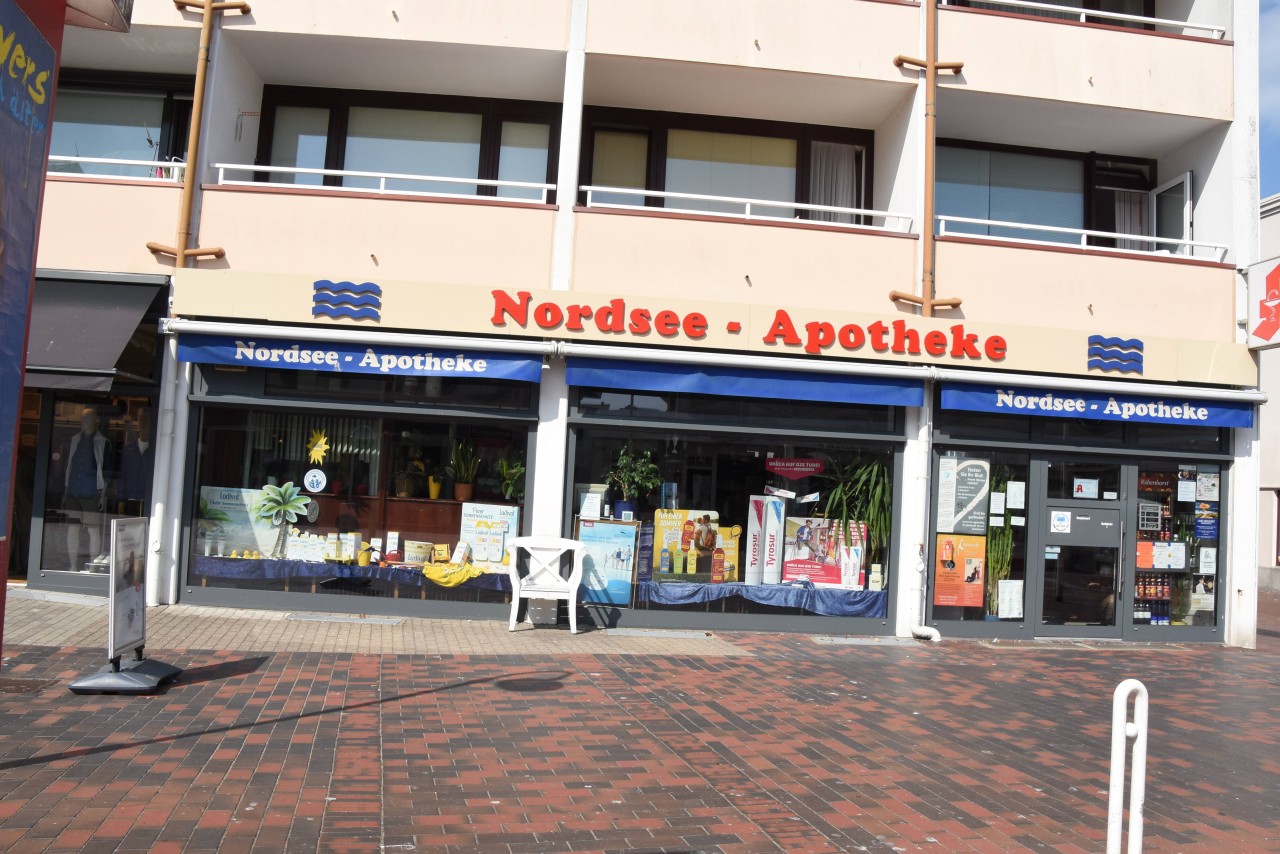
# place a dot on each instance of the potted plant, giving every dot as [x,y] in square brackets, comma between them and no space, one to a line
[511,471]
[435,480]
[464,462]
[860,489]
[633,474]
[999,552]
[408,481]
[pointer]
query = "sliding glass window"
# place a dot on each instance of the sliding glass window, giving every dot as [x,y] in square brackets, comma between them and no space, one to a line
[144,120]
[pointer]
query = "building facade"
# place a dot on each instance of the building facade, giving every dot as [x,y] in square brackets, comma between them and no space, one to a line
[1269,382]
[642,275]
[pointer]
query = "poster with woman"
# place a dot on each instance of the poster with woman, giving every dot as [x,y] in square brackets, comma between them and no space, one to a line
[609,565]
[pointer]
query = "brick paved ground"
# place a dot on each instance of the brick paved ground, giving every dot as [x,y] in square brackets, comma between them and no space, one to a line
[378,737]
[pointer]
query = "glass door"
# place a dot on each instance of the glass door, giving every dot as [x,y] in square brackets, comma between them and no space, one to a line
[1170,206]
[1081,533]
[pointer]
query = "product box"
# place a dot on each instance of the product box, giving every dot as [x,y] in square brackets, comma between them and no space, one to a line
[486,528]
[762,563]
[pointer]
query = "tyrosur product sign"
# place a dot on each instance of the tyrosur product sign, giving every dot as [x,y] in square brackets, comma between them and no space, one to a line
[347,357]
[1094,405]
[26,96]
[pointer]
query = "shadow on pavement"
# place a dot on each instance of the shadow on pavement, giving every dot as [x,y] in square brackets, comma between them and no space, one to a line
[225,670]
[541,678]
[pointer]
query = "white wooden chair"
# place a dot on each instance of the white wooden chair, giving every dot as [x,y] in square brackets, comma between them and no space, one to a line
[544,580]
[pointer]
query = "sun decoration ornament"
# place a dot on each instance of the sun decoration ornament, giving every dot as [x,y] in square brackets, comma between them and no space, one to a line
[317,447]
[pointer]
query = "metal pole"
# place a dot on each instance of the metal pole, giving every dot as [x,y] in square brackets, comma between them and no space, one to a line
[1122,730]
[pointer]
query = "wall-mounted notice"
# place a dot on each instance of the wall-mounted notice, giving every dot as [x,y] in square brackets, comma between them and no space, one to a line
[1186,483]
[1009,599]
[1059,521]
[997,503]
[1207,486]
[959,570]
[1085,487]
[1206,524]
[1208,561]
[964,491]
[1168,555]
[1017,491]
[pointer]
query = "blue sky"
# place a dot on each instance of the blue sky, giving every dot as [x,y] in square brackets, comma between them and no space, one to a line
[1269,139]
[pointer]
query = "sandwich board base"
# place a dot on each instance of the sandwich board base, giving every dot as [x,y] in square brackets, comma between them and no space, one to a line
[145,676]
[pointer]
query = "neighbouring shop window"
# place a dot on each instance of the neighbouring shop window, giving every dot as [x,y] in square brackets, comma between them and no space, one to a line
[736,523]
[758,161]
[135,120]
[1179,528]
[353,504]
[979,569]
[100,465]
[432,136]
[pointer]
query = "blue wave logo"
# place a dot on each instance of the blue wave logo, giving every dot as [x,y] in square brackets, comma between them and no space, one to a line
[1115,355]
[347,299]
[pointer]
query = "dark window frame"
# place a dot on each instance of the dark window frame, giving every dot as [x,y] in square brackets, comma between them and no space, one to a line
[492,111]
[1092,161]
[177,90]
[1148,11]
[656,124]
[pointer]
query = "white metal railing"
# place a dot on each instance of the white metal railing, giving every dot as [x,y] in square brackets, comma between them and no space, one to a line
[750,208]
[1186,248]
[1123,729]
[1085,14]
[381,177]
[160,171]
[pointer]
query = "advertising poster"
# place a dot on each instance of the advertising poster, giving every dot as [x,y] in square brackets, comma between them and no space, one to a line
[486,528]
[644,556]
[762,557]
[26,95]
[795,468]
[674,531]
[959,570]
[816,551]
[609,564]
[964,488]
[227,522]
[1206,524]
[126,620]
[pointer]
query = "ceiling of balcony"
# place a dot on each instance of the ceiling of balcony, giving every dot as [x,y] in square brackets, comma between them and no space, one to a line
[155,50]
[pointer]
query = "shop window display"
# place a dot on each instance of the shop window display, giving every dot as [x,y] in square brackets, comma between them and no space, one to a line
[760,524]
[1178,538]
[360,505]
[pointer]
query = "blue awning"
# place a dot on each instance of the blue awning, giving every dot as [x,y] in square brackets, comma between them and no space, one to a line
[744,382]
[349,357]
[1096,405]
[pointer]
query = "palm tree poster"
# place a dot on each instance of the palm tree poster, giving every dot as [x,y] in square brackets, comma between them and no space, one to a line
[251,522]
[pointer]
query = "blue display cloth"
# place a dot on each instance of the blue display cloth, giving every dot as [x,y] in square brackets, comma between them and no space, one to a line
[266,569]
[1096,405]
[744,382]
[349,357]
[829,602]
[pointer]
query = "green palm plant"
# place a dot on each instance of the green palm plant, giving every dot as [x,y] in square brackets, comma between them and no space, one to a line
[860,489]
[999,546]
[278,505]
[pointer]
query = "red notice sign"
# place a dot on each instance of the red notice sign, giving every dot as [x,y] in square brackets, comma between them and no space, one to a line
[795,468]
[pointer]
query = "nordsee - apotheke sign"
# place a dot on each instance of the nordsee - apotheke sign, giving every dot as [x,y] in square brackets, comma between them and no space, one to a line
[1098,406]
[347,357]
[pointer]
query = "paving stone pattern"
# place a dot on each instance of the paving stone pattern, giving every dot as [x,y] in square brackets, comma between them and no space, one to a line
[786,745]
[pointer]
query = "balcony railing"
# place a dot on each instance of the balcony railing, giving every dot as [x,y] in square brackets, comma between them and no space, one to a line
[536,192]
[750,208]
[1031,7]
[159,171]
[1081,238]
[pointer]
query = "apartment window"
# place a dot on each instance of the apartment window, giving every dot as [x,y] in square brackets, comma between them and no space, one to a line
[118,119]
[409,135]
[1011,190]
[727,165]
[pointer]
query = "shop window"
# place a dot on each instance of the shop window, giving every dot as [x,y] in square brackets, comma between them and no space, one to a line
[360,503]
[733,158]
[142,119]
[673,407]
[713,527]
[1179,522]
[1093,480]
[432,136]
[980,541]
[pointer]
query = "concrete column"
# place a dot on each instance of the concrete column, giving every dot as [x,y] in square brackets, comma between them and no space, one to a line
[157,569]
[570,149]
[1238,580]
[910,572]
[547,468]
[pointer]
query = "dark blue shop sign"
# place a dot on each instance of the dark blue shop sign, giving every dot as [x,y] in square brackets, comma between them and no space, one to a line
[356,358]
[1100,406]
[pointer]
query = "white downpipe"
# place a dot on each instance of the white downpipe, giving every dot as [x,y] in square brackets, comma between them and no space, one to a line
[177,480]
[1122,729]
[164,448]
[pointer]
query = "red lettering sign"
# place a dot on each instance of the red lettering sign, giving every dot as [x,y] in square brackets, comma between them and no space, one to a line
[795,468]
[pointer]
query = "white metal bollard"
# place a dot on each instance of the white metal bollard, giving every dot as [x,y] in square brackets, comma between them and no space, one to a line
[1122,729]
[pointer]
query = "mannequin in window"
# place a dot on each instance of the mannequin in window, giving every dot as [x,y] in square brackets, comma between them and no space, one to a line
[88,458]
[137,462]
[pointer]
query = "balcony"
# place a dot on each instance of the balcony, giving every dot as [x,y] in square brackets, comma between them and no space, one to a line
[1134,294]
[448,230]
[99,214]
[1087,86]
[746,251]
[816,61]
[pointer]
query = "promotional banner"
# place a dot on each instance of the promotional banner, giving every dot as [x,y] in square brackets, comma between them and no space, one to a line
[26,101]
[1099,406]
[609,564]
[816,551]
[959,570]
[964,493]
[348,357]
[795,469]
[487,528]
[127,595]
[229,523]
